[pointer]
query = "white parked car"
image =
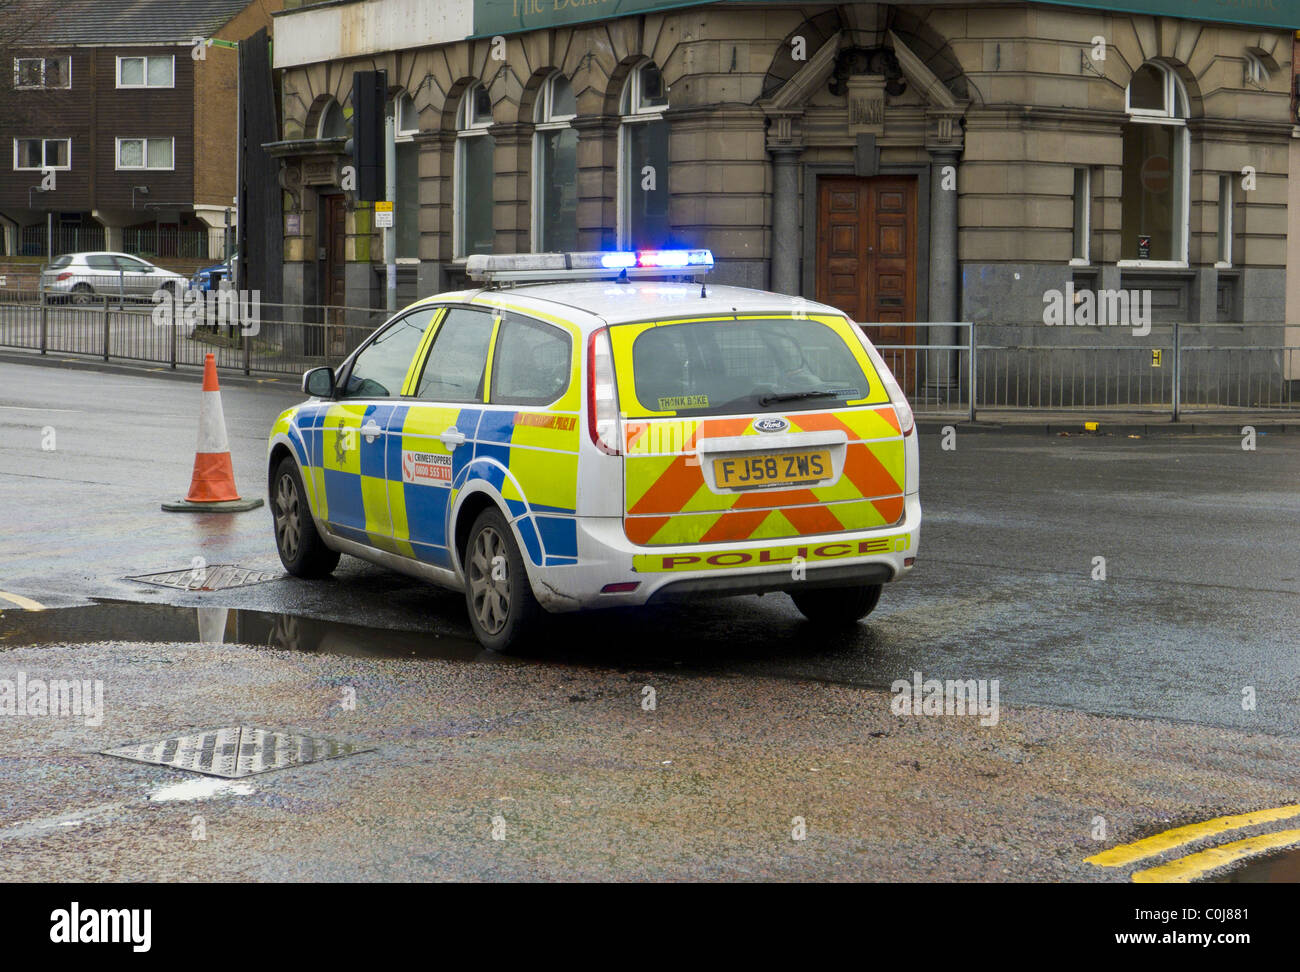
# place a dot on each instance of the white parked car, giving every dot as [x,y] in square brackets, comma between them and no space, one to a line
[84,277]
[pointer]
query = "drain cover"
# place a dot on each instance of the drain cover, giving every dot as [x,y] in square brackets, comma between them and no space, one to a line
[214,577]
[236,751]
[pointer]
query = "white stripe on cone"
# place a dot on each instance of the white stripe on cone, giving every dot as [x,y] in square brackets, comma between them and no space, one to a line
[212,424]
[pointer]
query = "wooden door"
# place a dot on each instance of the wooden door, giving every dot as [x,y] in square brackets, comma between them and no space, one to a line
[334,230]
[335,250]
[866,259]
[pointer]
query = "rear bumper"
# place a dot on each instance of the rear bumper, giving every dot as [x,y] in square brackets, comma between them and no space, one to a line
[606,557]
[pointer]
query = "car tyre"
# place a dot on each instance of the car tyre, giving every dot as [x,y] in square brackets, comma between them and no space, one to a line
[503,610]
[82,294]
[837,606]
[299,543]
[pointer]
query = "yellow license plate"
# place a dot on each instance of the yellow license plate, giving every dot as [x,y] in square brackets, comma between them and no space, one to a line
[774,469]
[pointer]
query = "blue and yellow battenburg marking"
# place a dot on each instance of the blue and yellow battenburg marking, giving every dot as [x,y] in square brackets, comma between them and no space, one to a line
[395,490]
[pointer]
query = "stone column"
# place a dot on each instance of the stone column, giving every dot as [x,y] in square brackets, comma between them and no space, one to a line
[512,188]
[786,239]
[945,283]
[597,180]
[436,169]
[1204,303]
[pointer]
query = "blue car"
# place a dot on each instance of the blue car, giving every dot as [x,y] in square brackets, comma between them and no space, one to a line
[209,278]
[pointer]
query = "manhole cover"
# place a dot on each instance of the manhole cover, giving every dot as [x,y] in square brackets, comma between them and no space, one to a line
[236,751]
[214,577]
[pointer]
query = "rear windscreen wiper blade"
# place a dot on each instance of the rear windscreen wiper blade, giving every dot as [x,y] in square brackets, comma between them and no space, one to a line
[771,397]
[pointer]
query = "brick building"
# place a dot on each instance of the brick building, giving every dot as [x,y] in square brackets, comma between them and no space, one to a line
[131,106]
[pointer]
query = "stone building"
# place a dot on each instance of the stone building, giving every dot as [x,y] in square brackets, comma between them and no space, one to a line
[907,162]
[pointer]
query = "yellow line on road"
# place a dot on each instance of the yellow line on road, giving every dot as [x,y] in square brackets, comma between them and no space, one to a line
[1150,846]
[22,602]
[1192,866]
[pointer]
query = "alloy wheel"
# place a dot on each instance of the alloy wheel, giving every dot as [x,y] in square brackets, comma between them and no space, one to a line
[288,523]
[489,583]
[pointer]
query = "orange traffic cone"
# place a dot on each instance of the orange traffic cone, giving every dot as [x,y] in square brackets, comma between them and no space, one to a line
[212,488]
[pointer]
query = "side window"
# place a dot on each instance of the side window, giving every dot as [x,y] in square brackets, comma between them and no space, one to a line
[379,371]
[458,358]
[532,364]
[101,262]
[126,263]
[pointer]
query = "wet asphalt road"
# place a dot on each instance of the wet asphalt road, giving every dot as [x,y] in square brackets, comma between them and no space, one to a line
[762,726]
[1199,607]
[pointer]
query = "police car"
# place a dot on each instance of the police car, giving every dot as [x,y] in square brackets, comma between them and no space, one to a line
[589,430]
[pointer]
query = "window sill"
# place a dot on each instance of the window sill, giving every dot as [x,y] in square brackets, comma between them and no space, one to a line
[1152,265]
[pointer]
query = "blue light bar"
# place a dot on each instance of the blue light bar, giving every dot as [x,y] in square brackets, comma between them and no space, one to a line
[665,259]
[520,267]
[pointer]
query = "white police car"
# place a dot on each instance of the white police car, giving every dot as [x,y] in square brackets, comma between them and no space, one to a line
[576,434]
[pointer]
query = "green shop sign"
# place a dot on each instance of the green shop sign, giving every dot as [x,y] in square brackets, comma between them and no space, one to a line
[1253,13]
[511,16]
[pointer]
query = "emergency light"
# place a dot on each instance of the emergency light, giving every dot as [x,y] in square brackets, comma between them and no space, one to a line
[592,265]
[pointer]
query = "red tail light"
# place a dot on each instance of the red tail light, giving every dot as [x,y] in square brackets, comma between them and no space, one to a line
[64,276]
[602,397]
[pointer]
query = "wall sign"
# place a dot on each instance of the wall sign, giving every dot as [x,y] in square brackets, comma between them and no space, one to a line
[493,17]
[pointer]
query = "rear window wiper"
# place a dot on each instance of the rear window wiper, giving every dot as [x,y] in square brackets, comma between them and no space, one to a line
[771,397]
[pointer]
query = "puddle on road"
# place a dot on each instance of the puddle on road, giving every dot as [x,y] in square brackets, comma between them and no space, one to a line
[153,623]
[1281,868]
[192,790]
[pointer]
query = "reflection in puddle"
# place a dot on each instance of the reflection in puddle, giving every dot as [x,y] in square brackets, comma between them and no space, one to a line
[131,622]
[1274,869]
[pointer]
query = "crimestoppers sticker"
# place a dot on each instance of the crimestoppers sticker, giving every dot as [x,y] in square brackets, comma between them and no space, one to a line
[425,468]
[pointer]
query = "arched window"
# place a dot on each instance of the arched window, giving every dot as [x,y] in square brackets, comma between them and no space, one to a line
[643,160]
[475,168]
[555,168]
[406,209]
[332,122]
[1154,202]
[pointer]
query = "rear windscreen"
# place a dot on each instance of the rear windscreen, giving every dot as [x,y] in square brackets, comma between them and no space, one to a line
[60,262]
[747,365]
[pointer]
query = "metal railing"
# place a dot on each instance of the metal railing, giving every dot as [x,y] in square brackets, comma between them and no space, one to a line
[953,369]
[150,242]
[282,339]
[957,368]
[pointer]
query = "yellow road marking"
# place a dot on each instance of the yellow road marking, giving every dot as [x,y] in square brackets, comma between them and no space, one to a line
[22,602]
[1192,866]
[1150,846]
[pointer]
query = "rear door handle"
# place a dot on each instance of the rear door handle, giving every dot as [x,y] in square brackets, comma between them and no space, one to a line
[452,438]
[371,430]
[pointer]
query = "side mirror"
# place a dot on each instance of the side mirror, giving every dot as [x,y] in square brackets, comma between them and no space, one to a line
[319,383]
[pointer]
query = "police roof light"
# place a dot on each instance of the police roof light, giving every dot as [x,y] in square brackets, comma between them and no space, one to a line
[594,265]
